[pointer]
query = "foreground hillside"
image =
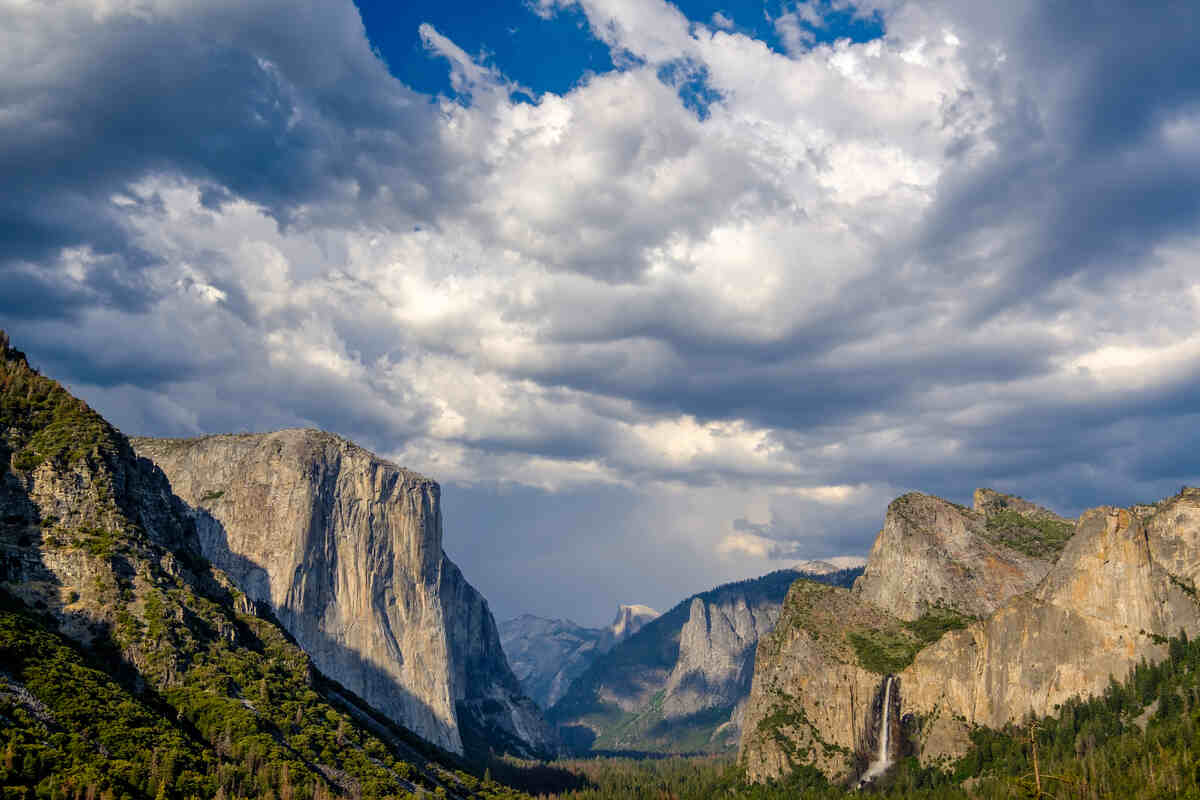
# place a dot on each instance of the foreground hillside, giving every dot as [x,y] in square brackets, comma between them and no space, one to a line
[131,667]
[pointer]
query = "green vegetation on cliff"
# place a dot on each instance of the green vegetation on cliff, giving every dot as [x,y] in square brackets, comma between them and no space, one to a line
[42,421]
[1139,740]
[888,651]
[1038,537]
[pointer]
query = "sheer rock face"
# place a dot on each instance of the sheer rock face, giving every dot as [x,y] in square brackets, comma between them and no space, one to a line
[1096,614]
[680,683]
[716,655]
[932,553]
[810,701]
[346,550]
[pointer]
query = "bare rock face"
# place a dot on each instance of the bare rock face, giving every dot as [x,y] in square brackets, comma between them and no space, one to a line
[935,554]
[680,684]
[346,550]
[547,654]
[1107,604]
[716,654]
[810,703]
[629,620]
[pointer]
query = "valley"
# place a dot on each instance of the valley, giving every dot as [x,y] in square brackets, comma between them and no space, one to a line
[273,615]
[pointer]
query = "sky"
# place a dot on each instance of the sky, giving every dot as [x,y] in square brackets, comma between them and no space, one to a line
[664,295]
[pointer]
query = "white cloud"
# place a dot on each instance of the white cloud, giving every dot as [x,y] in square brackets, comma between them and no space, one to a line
[839,283]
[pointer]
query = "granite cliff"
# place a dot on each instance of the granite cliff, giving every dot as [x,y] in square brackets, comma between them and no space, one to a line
[932,553]
[548,654]
[983,614]
[345,549]
[678,684]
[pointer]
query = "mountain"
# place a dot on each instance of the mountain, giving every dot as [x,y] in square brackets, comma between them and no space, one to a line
[678,684]
[629,620]
[829,566]
[134,668]
[983,615]
[547,654]
[933,553]
[346,551]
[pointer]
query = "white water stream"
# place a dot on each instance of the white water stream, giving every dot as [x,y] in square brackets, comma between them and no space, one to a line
[883,758]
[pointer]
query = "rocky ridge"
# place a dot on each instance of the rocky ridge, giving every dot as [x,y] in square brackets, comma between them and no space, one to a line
[932,553]
[1011,609]
[346,551]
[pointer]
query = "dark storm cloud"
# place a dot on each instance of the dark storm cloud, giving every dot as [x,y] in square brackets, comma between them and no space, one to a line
[268,112]
[1081,163]
[946,362]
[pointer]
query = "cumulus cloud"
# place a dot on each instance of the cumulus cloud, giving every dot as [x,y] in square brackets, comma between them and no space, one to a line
[716,306]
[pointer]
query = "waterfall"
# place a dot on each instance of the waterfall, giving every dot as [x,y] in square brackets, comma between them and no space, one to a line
[886,729]
[883,758]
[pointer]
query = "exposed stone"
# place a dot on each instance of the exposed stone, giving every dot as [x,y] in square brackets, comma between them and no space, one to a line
[1105,605]
[681,683]
[932,553]
[811,699]
[716,655]
[346,551]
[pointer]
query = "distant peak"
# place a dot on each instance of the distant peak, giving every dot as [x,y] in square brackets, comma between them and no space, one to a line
[630,619]
[827,566]
[636,609]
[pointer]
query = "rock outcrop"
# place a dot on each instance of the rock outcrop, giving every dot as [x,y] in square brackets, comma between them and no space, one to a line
[546,655]
[679,684]
[716,655]
[1107,593]
[346,551]
[629,620]
[1107,604]
[935,554]
[811,698]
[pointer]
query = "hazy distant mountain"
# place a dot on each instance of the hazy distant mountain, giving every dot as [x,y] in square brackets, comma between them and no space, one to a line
[829,566]
[679,683]
[547,654]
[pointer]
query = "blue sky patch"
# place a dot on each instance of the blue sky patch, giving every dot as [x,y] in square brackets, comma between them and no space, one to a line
[553,55]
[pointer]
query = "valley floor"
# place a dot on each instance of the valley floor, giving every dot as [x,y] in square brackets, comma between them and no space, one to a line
[1140,740]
